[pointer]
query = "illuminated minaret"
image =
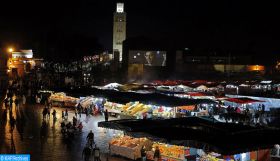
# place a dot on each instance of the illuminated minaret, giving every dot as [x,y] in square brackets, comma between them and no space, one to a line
[119,30]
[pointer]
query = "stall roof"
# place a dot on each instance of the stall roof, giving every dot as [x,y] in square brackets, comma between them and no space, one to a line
[149,98]
[198,94]
[242,100]
[223,138]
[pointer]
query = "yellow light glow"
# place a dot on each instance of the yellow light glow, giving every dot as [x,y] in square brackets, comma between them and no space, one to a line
[11,50]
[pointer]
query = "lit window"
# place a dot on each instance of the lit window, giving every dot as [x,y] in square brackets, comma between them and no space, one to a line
[134,56]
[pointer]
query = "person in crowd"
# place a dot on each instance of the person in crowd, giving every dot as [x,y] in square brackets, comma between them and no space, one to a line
[63,127]
[48,113]
[68,125]
[54,114]
[6,102]
[80,113]
[49,104]
[263,109]
[12,122]
[86,153]
[16,102]
[229,109]
[11,103]
[157,154]
[23,99]
[106,115]
[143,153]
[257,115]
[76,113]
[4,114]
[80,127]
[74,121]
[259,107]
[46,104]
[45,112]
[66,114]
[90,138]
[96,153]
[86,111]
[62,115]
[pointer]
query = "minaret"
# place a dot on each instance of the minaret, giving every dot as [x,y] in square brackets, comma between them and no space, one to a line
[119,30]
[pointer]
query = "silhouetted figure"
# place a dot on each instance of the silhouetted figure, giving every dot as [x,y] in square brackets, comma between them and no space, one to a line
[54,114]
[86,153]
[45,112]
[62,115]
[66,114]
[156,154]
[12,123]
[16,103]
[13,147]
[143,153]
[106,115]
[90,138]
[44,129]
[96,153]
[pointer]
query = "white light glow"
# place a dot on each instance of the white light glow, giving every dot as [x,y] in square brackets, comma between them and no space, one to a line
[120,7]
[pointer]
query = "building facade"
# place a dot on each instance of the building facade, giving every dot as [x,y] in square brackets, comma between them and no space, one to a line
[119,31]
[20,63]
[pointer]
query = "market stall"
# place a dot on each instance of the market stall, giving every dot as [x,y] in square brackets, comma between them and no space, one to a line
[202,88]
[243,102]
[127,146]
[140,110]
[113,108]
[168,152]
[62,100]
[44,95]
[195,95]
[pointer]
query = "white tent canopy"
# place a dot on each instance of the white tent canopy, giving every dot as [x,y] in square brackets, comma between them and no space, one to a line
[182,88]
[201,88]
[86,102]
[112,86]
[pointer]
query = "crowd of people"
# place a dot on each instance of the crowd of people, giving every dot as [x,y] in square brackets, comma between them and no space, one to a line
[245,115]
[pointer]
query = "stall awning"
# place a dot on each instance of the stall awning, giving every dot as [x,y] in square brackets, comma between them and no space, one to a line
[189,108]
[224,138]
[197,94]
[150,98]
[243,100]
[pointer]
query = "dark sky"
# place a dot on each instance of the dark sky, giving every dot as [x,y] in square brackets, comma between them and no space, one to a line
[59,28]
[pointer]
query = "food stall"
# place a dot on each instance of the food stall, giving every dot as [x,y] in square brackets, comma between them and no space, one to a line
[128,147]
[140,110]
[168,152]
[62,100]
[44,95]
[113,108]
[184,110]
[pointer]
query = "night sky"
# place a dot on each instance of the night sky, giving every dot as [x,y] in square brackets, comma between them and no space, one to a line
[54,29]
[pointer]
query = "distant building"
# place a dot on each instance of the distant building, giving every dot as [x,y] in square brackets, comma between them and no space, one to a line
[209,62]
[119,31]
[145,59]
[21,62]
